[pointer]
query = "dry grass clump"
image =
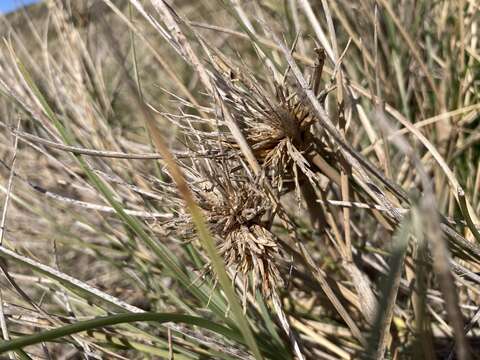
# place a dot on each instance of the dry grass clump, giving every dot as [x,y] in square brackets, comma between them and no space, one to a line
[318,197]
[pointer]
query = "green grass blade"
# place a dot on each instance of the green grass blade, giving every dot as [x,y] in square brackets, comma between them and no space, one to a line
[101,322]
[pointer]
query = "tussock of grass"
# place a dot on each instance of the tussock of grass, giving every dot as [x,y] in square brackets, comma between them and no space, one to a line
[225,179]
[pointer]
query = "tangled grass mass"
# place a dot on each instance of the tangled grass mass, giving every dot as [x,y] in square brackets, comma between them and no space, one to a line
[226,179]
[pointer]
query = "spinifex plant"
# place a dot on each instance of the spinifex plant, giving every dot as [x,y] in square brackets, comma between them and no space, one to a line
[317,199]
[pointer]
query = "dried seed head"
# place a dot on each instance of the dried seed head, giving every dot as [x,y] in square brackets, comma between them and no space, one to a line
[252,250]
[266,120]
[234,211]
[246,245]
[272,122]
